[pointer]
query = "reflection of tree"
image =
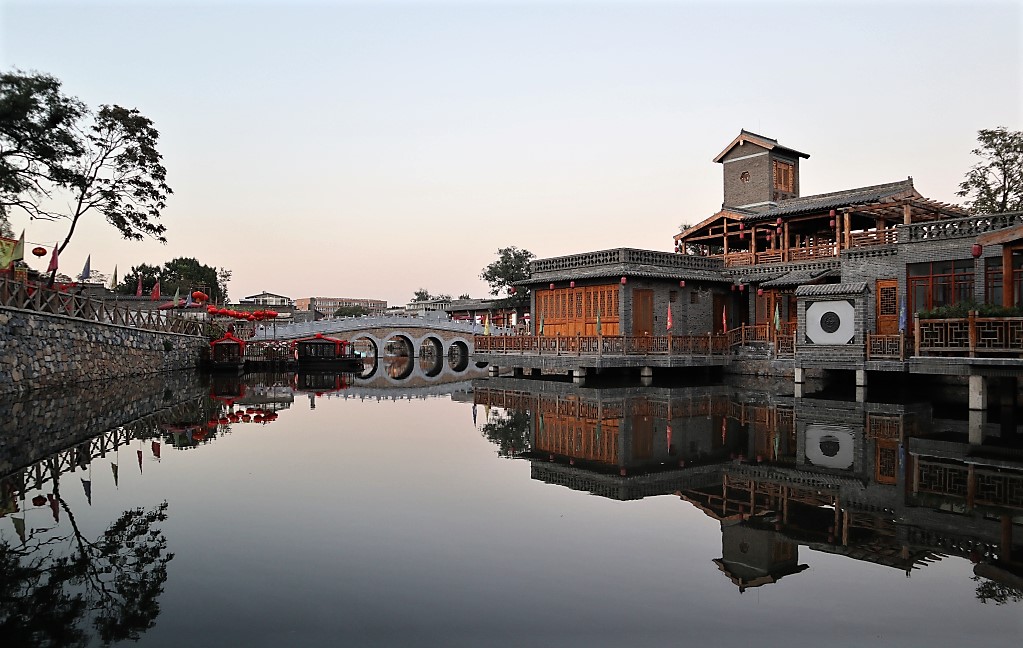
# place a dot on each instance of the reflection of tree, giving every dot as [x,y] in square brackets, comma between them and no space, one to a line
[510,431]
[50,586]
[997,593]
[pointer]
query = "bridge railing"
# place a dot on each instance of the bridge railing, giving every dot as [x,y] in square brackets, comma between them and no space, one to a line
[346,324]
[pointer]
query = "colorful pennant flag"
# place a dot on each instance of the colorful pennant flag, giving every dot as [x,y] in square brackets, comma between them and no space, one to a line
[156,291]
[138,289]
[113,280]
[53,261]
[670,321]
[777,317]
[18,253]
[177,295]
[87,270]
[188,300]
[486,325]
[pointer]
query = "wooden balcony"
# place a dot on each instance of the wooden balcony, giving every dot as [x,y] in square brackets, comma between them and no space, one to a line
[970,336]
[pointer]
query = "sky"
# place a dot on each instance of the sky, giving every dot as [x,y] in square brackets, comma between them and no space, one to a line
[368,149]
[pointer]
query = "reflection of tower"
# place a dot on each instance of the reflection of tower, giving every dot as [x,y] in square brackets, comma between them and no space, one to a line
[752,557]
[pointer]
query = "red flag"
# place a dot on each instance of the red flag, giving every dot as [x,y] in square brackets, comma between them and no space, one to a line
[138,289]
[669,316]
[156,449]
[156,291]
[53,261]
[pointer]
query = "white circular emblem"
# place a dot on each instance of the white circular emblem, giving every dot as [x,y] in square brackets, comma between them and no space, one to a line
[830,322]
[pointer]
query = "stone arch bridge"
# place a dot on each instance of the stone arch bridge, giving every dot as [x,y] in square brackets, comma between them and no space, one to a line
[439,336]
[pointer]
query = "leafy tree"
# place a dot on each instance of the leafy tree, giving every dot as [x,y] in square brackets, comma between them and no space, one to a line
[512,265]
[997,593]
[38,138]
[183,274]
[421,295]
[54,150]
[464,296]
[5,224]
[351,311]
[995,184]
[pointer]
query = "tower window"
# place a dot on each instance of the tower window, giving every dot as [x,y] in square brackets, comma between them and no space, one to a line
[784,177]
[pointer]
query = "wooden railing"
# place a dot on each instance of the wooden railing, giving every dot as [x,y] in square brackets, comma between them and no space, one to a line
[970,335]
[18,294]
[887,236]
[886,347]
[785,345]
[823,251]
[589,345]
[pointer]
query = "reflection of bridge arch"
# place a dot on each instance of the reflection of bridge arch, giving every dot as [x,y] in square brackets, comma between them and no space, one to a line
[415,375]
[458,356]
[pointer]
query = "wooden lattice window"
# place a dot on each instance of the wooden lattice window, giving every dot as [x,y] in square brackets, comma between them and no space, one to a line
[888,300]
[784,176]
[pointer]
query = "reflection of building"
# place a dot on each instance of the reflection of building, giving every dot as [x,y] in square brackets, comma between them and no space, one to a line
[867,481]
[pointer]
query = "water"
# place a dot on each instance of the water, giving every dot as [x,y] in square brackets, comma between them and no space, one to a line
[350,515]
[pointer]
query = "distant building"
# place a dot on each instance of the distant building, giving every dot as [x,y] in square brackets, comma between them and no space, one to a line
[266,299]
[330,305]
[428,308]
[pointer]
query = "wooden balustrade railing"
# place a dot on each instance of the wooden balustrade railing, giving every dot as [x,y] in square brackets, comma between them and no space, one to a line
[886,347]
[971,335]
[785,345]
[887,236]
[580,345]
[18,294]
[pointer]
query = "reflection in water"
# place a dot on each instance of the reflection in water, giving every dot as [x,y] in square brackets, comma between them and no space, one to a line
[884,484]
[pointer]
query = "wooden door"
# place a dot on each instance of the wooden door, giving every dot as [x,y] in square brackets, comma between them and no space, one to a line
[887,307]
[642,312]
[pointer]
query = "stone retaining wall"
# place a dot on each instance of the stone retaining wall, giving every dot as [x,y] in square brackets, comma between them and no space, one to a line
[43,350]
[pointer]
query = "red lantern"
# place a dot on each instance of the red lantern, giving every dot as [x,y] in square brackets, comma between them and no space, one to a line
[742,226]
[571,284]
[198,295]
[733,287]
[760,291]
[552,286]
[742,235]
[682,284]
[779,231]
[778,221]
[39,251]
[251,317]
[832,223]
[512,290]
[272,313]
[977,250]
[623,281]
[742,287]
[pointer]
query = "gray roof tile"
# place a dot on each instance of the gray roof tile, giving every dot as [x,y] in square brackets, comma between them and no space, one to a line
[833,200]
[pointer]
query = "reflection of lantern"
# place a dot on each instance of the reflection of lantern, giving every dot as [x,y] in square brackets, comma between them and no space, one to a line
[733,287]
[742,287]
[39,250]
[977,250]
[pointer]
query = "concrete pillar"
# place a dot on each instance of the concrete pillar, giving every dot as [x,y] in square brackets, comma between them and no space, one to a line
[579,376]
[797,390]
[646,376]
[978,419]
[799,375]
[517,372]
[861,377]
[493,370]
[978,393]
[861,394]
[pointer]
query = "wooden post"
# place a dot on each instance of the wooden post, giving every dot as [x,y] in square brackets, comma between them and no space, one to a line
[848,230]
[916,334]
[973,333]
[725,226]
[839,228]
[1007,277]
[907,214]
[785,241]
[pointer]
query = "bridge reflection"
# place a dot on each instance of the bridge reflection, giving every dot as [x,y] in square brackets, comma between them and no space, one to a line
[880,483]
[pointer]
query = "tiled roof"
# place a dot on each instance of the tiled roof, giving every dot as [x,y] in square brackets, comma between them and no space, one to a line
[800,277]
[766,142]
[833,200]
[623,270]
[822,290]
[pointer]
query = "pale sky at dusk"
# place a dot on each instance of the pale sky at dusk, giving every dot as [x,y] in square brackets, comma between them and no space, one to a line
[366,149]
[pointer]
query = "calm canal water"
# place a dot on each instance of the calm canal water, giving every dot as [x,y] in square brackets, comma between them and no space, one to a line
[327,509]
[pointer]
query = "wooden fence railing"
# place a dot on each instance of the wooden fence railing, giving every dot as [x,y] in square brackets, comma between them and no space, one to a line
[886,347]
[971,335]
[597,345]
[18,294]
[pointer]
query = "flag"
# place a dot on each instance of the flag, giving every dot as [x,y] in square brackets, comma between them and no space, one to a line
[87,487]
[19,527]
[18,253]
[139,452]
[156,449]
[777,317]
[188,300]
[113,467]
[539,329]
[599,330]
[156,291]
[486,325]
[53,261]
[113,280]
[902,314]
[177,295]
[54,507]
[87,269]
[670,322]
[138,289]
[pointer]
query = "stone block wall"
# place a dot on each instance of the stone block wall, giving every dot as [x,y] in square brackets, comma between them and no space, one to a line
[43,350]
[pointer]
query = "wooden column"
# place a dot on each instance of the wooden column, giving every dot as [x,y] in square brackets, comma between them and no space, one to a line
[785,241]
[725,226]
[907,214]
[839,228]
[753,243]
[848,230]
[1007,276]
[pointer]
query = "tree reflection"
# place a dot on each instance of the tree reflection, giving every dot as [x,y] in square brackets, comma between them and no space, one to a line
[995,592]
[510,431]
[50,588]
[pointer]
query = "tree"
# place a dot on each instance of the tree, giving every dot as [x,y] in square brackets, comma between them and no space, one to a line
[994,185]
[421,295]
[351,311]
[38,138]
[512,265]
[464,296]
[510,431]
[55,150]
[183,274]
